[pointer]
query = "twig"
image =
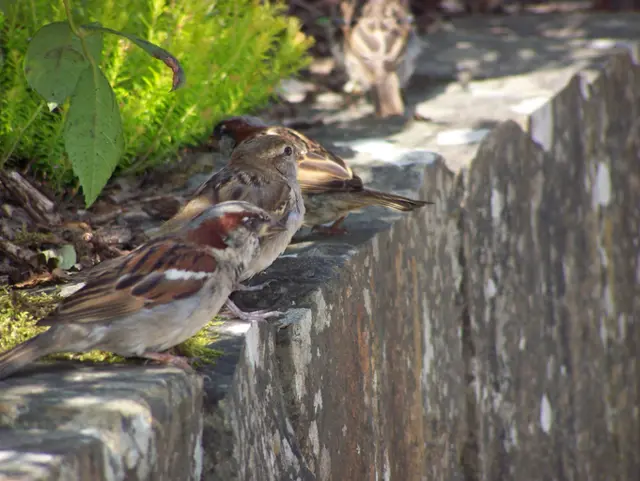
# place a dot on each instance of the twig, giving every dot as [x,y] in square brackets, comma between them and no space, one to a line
[16,252]
[37,205]
[78,33]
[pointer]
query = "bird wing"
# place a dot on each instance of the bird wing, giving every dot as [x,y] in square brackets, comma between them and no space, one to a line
[320,170]
[379,37]
[156,273]
[271,194]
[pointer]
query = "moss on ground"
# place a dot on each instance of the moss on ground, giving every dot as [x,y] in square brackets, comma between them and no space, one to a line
[24,237]
[20,310]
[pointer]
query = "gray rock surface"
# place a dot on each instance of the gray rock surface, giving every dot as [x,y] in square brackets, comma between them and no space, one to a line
[333,398]
[552,252]
[490,336]
[112,423]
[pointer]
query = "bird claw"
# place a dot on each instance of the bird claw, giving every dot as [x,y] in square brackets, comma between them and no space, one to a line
[253,316]
[329,230]
[333,229]
[169,359]
[257,287]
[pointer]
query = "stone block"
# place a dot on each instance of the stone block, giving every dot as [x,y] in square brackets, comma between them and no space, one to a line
[551,252]
[367,379]
[111,423]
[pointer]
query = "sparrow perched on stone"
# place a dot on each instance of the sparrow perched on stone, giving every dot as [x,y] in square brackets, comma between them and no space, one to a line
[158,295]
[330,188]
[262,171]
[379,50]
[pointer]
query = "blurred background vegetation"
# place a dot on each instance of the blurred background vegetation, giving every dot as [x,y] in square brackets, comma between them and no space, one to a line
[234,53]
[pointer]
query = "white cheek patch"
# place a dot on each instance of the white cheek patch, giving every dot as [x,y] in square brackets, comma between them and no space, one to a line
[182,275]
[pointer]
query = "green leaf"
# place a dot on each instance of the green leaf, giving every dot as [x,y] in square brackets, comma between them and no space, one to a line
[93,132]
[67,256]
[179,77]
[55,59]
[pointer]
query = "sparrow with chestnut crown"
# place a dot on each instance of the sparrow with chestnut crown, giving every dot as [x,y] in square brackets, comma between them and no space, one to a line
[262,171]
[158,295]
[330,188]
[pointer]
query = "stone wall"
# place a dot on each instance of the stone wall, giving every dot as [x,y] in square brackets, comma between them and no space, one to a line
[113,423]
[491,336]
[552,252]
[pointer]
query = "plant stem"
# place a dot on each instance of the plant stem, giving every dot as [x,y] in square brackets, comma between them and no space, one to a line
[19,135]
[78,33]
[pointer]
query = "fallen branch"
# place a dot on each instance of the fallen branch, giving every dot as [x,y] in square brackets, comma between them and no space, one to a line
[17,253]
[39,207]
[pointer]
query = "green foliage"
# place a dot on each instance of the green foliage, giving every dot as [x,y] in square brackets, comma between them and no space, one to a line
[54,60]
[234,53]
[63,61]
[19,313]
[93,132]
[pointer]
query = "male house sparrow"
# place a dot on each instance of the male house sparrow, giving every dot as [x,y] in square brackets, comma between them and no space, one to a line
[379,50]
[262,171]
[330,188]
[157,296]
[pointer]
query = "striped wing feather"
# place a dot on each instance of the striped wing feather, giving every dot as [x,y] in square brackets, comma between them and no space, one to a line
[154,274]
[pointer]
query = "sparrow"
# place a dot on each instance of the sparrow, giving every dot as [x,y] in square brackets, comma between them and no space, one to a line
[379,51]
[330,188]
[158,295]
[263,171]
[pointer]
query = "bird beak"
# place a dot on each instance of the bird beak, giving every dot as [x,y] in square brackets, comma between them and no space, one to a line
[214,144]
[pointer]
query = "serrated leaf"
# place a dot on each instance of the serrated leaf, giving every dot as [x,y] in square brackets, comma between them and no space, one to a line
[55,59]
[67,256]
[93,132]
[179,77]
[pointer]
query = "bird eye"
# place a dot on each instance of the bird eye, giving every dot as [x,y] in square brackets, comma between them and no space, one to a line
[288,151]
[249,221]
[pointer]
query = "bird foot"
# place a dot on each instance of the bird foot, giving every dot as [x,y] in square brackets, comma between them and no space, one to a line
[329,230]
[253,316]
[257,287]
[169,359]
[333,229]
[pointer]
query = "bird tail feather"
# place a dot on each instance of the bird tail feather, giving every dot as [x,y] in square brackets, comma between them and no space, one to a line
[392,201]
[29,351]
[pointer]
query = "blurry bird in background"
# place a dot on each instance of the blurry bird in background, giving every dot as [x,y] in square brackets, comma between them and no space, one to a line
[379,51]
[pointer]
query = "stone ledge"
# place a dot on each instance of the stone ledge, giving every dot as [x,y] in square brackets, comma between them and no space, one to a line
[333,398]
[110,423]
